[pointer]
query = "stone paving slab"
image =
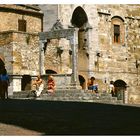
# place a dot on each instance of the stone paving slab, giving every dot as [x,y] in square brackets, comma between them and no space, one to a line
[13,130]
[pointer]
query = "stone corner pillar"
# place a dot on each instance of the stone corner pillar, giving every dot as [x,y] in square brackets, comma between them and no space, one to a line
[15,84]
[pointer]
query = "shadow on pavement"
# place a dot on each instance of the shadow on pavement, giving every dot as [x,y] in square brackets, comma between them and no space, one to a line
[71,118]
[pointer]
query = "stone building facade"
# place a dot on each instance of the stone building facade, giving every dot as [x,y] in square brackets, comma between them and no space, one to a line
[107,47]
[19,41]
[108,44]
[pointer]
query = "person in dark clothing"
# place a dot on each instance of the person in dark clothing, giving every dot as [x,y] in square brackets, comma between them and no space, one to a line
[4,79]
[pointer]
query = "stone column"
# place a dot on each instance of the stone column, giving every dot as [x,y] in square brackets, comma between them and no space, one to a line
[74,46]
[89,46]
[41,57]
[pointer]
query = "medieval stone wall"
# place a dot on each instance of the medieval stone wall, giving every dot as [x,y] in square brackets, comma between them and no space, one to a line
[114,60]
[26,54]
[9,20]
[56,61]
[20,52]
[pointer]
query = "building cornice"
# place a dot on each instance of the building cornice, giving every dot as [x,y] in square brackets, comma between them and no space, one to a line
[21,11]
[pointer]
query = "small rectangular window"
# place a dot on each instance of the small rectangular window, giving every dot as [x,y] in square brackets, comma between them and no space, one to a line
[116,33]
[22,25]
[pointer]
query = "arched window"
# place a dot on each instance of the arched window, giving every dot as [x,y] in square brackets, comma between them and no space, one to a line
[118,30]
[79,17]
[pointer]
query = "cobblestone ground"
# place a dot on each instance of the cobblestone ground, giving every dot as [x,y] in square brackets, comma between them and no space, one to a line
[8,130]
[38,117]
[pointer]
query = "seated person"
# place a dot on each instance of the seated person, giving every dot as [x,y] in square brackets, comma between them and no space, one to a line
[91,85]
[37,86]
[50,85]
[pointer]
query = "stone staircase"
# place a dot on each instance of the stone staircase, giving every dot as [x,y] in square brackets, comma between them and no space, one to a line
[70,95]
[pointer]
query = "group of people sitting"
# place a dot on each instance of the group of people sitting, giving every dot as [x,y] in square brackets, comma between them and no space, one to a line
[38,86]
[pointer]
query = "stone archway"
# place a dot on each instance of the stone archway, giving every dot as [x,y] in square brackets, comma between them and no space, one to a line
[48,71]
[120,83]
[120,88]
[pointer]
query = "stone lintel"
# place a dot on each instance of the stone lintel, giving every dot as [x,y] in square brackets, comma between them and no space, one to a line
[56,34]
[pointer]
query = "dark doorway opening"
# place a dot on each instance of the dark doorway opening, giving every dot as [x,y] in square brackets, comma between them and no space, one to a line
[26,82]
[2,66]
[120,88]
[50,72]
[82,81]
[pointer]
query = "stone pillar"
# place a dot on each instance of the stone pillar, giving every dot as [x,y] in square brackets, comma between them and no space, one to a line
[89,46]
[125,97]
[15,84]
[41,57]
[74,46]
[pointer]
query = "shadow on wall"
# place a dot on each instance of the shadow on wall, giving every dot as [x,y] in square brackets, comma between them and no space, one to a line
[2,65]
[71,118]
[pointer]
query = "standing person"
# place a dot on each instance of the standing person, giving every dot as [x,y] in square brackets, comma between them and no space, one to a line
[50,85]
[112,88]
[4,84]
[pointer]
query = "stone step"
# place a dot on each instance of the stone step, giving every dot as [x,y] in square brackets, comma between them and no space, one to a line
[69,95]
[77,100]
